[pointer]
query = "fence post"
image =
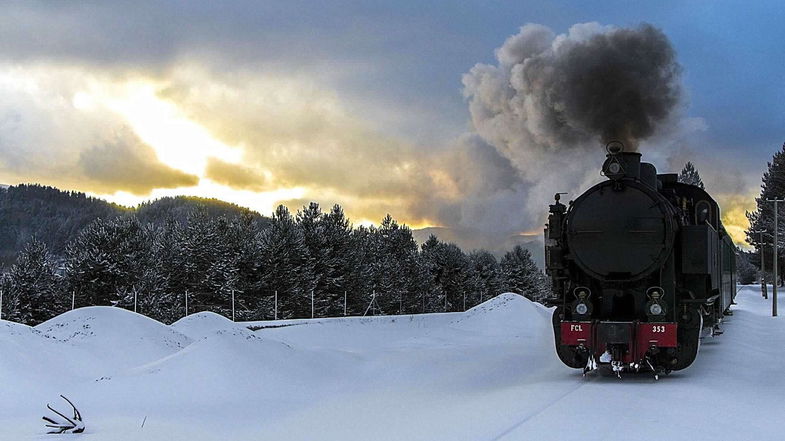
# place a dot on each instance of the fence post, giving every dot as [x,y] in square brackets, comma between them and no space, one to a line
[134,299]
[1,304]
[344,303]
[276,304]
[445,301]
[232,305]
[73,299]
[464,301]
[186,303]
[311,303]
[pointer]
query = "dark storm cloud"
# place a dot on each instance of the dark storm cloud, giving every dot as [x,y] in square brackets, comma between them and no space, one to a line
[125,163]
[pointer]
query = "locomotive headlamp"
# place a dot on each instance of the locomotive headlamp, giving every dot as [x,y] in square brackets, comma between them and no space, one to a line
[614,168]
[655,309]
[581,309]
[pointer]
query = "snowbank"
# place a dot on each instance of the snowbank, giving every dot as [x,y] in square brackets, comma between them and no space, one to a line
[489,373]
[203,324]
[114,338]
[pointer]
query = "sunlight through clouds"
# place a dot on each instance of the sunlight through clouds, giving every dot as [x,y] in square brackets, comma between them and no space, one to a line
[179,142]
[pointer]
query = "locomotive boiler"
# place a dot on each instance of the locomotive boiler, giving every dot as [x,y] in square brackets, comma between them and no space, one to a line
[641,266]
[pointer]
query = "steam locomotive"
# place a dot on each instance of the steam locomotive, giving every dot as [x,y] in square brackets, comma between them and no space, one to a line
[641,266]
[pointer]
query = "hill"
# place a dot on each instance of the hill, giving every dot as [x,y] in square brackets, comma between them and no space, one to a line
[51,215]
[55,216]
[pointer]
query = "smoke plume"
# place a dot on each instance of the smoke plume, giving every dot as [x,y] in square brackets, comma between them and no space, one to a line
[551,102]
[594,84]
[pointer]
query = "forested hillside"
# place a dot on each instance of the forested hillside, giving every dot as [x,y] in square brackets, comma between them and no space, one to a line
[54,216]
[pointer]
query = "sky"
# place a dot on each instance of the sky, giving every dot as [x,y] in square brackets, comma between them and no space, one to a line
[406,107]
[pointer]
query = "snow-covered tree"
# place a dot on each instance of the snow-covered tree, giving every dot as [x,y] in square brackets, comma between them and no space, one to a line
[105,260]
[746,272]
[450,275]
[395,267]
[286,265]
[689,175]
[31,289]
[762,219]
[485,274]
[521,275]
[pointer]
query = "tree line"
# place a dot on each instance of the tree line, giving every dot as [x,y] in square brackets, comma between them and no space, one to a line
[308,261]
[760,234]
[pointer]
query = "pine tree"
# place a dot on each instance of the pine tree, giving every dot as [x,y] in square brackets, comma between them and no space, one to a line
[395,267]
[431,259]
[485,275]
[450,275]
[762,219]
[521,275]
[338,259]
[31,289]
[287,268]
[689,175]
[746,272]
[310,220]
[105,261]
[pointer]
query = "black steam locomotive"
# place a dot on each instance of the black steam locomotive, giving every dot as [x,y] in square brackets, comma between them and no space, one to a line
[640,266]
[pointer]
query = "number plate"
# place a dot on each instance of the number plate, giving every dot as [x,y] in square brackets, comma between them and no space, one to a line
[575,333]
[658,334]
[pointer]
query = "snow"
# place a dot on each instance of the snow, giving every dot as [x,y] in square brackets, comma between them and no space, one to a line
[487,374]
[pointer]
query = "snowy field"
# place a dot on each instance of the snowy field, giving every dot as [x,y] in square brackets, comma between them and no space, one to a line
[487,374]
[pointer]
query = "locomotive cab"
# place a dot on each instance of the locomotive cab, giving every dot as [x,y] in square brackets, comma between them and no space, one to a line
[639,264]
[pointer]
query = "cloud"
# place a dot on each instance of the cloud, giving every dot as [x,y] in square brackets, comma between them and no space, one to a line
[303,100]
[234,175]
[48,136]
[298,133]
[125,163]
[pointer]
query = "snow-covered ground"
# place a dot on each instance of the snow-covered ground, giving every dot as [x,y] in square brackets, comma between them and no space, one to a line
[487,374]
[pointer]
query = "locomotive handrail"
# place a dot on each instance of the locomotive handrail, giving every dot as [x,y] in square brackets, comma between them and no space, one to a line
[707,301]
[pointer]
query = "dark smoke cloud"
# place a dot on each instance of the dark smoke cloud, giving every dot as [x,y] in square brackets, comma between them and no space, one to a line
[594,84]
[551,100]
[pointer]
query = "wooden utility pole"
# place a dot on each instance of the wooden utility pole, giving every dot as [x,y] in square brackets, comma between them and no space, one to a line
[776,259]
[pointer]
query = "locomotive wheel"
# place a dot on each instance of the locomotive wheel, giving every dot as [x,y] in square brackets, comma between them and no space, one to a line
[690,325]
[567,354]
